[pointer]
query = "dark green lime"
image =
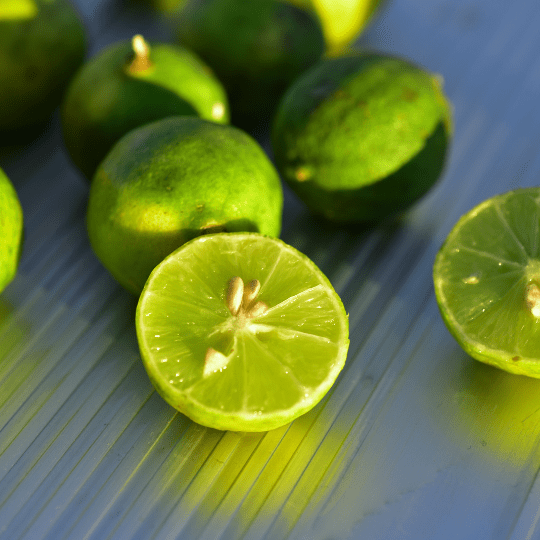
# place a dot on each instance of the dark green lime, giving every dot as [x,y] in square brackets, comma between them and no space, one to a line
[363,136]
[256,48]
[42,43]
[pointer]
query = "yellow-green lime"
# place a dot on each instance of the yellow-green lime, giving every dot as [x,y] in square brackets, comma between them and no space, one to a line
[42,44]
[18,9]
[241,332]
[487,281]
[131,83]
[166,182]
[362,136]
[256,49]
[342,20]
[11,231]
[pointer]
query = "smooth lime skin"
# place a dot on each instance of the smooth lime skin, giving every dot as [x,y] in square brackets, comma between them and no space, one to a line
[172,180]
[106,100]
[255,48]
[362,137]
[39,54]
[11,231]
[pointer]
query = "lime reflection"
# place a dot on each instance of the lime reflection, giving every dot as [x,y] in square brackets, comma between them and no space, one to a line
[498,410]
[13,331]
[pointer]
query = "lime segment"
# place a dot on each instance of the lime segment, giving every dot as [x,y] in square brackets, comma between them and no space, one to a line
[240,331]
[487,281]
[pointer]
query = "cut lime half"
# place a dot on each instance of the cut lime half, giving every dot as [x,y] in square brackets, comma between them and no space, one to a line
[240,331]
[487,281]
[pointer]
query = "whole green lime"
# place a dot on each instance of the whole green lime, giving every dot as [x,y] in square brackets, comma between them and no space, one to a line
[129,84]
[11,231]
[169,181]
[256,49]
[42,43]
[363,136]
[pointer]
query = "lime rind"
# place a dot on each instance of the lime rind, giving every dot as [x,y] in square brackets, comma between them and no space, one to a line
[483,276]
[265,372]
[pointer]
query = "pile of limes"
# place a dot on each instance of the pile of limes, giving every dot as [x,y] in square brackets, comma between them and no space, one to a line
[237,329]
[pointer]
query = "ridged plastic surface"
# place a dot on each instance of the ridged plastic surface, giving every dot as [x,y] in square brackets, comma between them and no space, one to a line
[415,440]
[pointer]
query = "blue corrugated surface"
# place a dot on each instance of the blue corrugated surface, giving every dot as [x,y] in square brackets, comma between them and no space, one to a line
[415,440]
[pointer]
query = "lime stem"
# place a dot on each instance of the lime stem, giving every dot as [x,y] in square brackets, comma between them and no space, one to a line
[141,62]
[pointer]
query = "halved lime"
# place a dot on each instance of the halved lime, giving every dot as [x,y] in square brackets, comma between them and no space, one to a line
[241,331]
[487,281]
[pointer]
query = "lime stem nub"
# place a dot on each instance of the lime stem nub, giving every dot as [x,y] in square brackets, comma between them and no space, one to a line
[141,62]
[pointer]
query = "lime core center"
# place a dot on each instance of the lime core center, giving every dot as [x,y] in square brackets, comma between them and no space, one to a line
[241,300]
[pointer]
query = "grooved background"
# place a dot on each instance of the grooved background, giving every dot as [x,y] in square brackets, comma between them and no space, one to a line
[415,440]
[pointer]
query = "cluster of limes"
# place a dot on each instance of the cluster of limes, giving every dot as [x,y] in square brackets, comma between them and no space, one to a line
[185,206]
[236,329]
[42,44]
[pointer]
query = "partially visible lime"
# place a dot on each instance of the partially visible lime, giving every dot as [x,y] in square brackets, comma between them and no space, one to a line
[342,20]
[487,281]
[42,43]
[165,6]
[129,84]
[18,9]
[363,136]
[256,48]
[166,182]
[11,231]
[241,331]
